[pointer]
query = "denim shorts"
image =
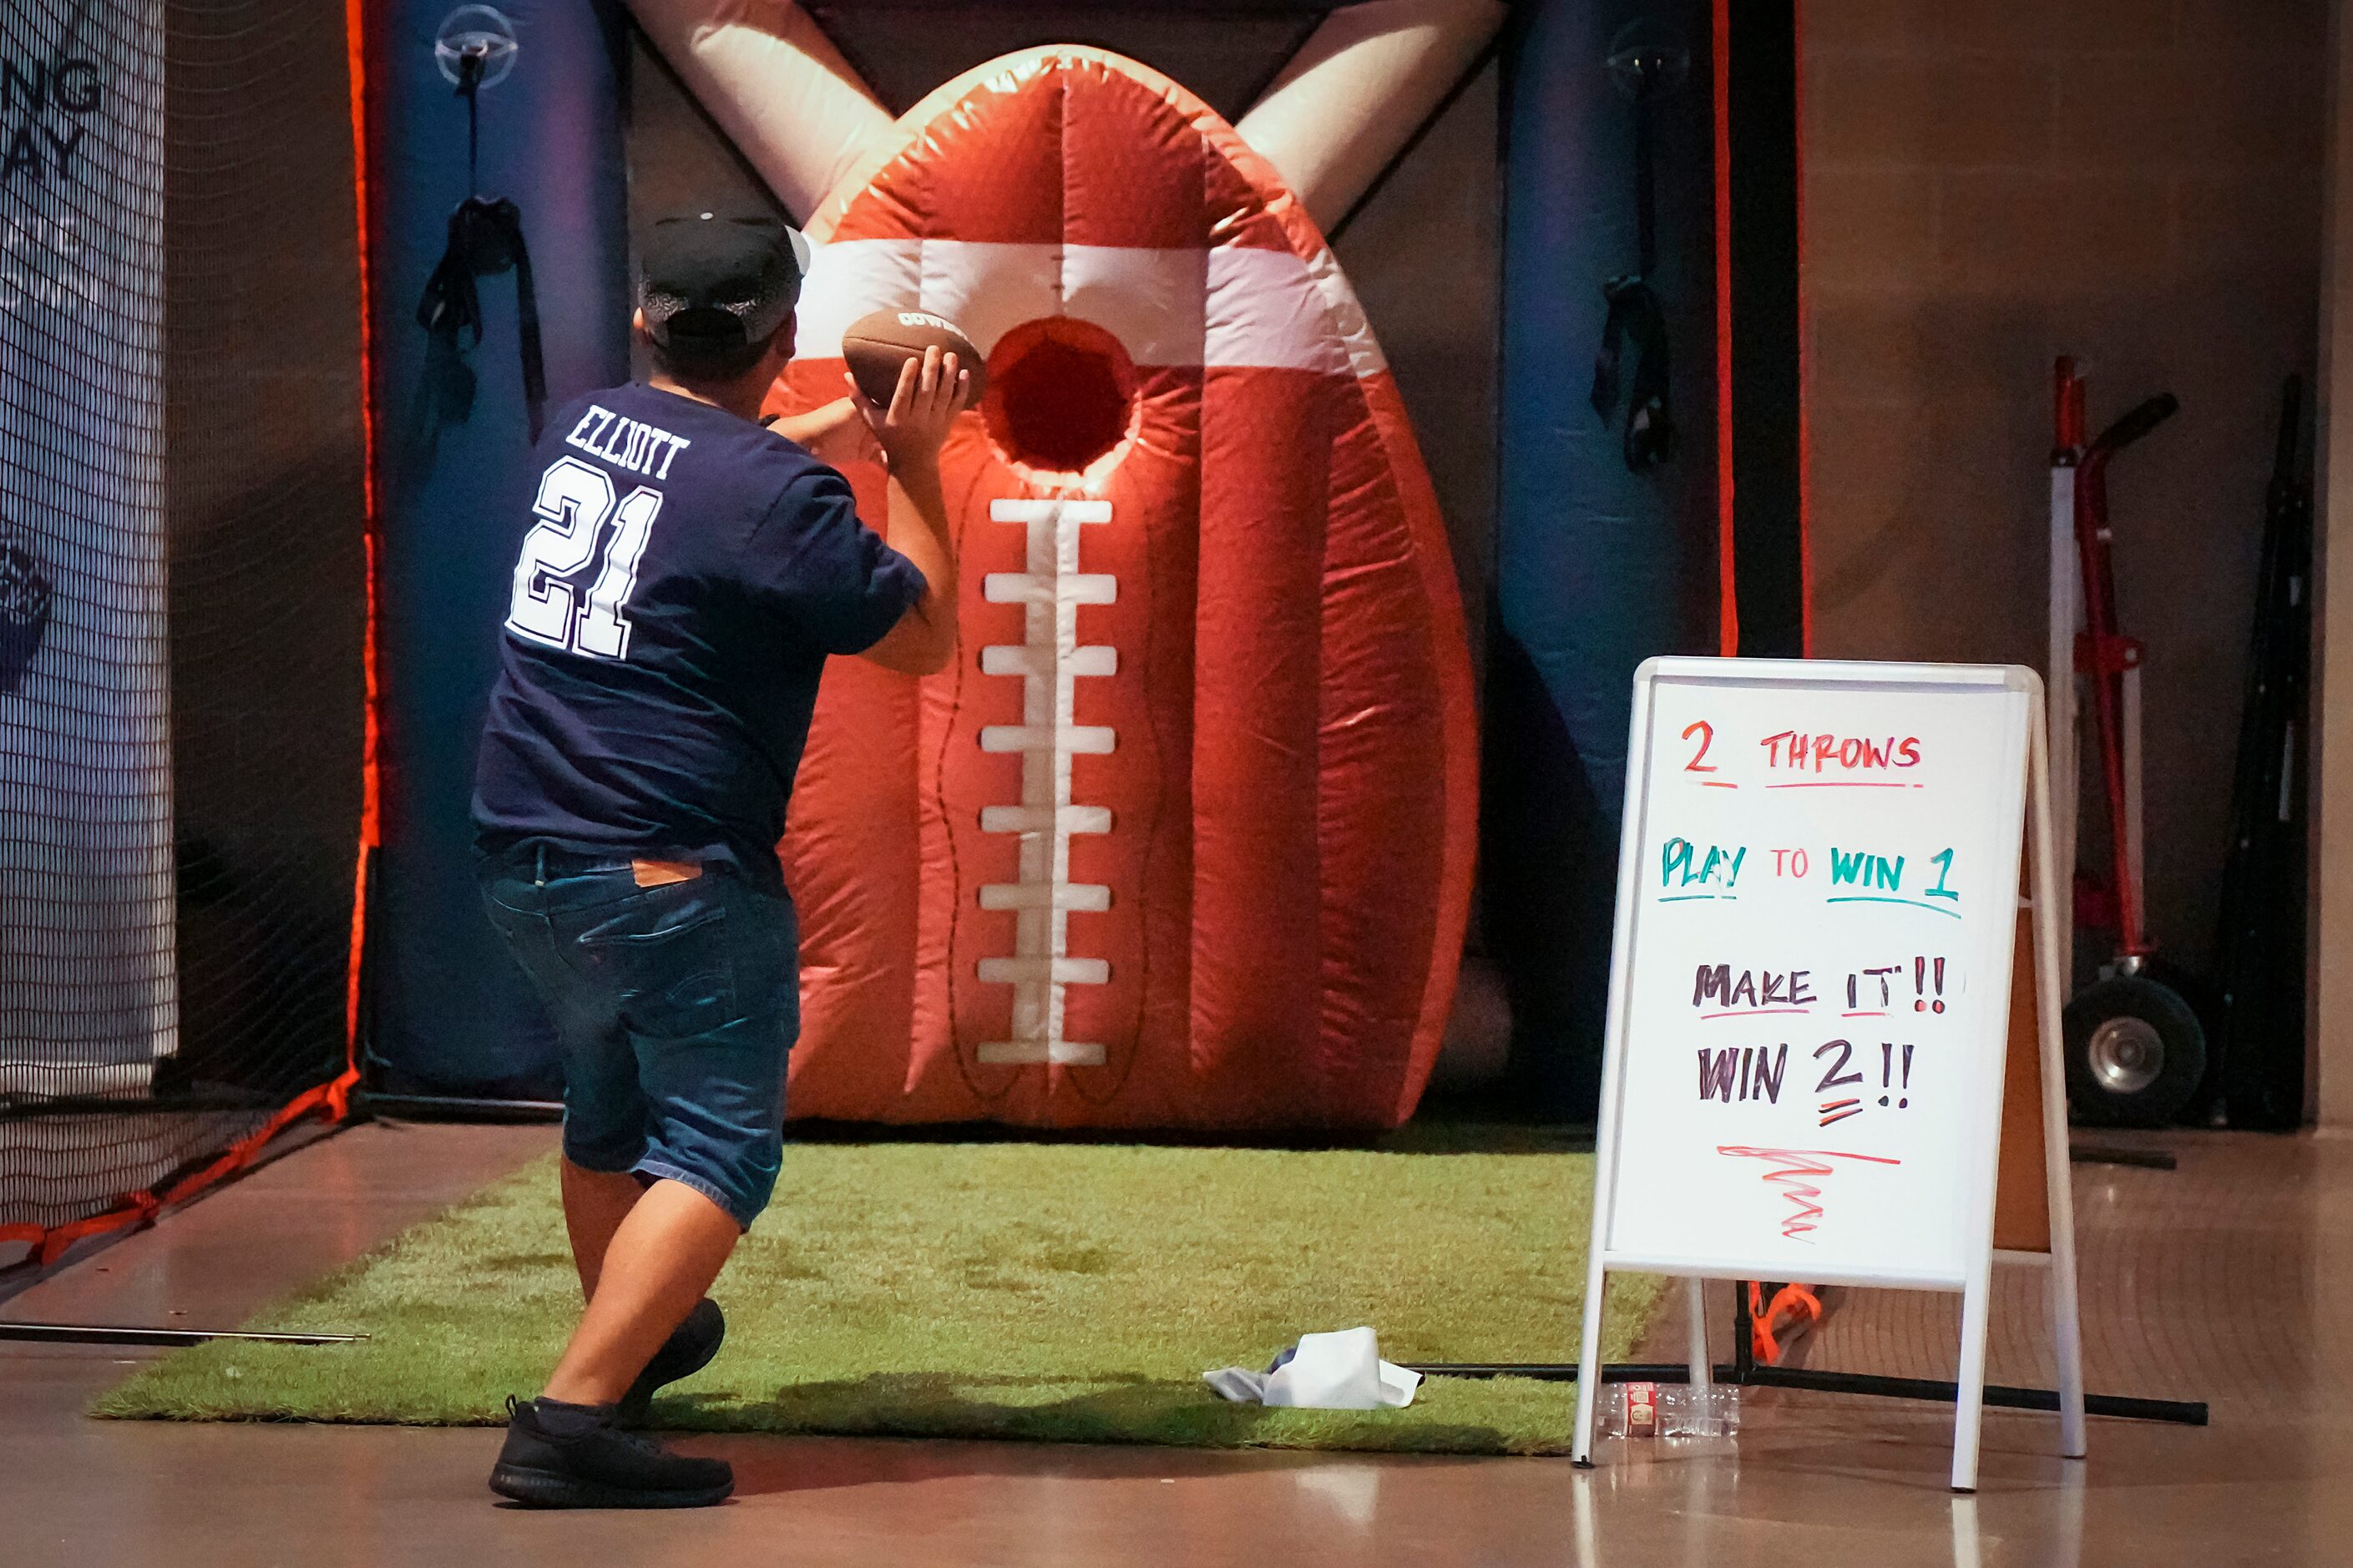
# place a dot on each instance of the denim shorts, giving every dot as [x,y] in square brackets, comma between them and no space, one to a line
[674,1005]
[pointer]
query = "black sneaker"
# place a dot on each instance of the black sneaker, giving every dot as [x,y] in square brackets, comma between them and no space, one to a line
[688,1350]
[572,1455]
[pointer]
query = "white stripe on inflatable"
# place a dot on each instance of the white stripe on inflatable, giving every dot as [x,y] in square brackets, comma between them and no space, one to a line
[776,84]
[1267,308]
[988,290]
[1356,340]
[1230,305]
[851,278]
[1151,301]
[1359,87]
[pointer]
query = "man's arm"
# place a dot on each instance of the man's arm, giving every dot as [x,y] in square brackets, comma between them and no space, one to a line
[910,430]
[835,433]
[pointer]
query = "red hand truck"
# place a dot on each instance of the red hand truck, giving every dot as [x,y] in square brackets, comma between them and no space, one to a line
[2135,1049]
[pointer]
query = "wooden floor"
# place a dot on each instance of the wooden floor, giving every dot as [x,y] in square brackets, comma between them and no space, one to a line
[2229,1279]
[2221,1281]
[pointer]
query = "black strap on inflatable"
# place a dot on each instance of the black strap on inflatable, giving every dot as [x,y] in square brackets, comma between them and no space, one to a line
[485,239]
[1637,323]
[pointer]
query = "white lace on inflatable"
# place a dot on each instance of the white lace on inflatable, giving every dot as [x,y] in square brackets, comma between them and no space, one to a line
[1049,663]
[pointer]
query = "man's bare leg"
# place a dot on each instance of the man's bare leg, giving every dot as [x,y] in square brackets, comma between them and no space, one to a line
[595,1204]
[660,1261]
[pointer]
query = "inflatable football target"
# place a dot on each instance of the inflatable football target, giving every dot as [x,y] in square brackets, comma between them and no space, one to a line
[1183,837]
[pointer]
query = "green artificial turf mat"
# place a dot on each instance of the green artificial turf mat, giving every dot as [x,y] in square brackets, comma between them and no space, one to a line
[1057,1291]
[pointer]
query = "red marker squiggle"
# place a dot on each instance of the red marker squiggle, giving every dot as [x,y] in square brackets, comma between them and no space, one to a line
[1799,1167]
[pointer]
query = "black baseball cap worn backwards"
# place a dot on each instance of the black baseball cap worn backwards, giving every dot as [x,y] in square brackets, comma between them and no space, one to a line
[720,278]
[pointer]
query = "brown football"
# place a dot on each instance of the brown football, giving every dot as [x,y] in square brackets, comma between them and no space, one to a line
[876,344]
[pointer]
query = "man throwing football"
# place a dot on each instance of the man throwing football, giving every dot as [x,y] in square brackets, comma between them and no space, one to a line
[687,573]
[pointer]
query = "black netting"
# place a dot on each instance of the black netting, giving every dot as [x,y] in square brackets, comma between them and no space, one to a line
[182,583]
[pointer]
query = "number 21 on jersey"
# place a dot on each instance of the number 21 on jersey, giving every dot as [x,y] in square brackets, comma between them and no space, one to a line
[574,504]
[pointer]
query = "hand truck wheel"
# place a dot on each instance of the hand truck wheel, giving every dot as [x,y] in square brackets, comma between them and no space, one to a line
[2135,1052]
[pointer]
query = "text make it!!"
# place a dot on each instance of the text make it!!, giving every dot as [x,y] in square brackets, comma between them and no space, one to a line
[1742,1072]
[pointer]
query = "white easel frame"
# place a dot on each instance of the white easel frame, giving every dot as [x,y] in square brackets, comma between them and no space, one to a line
[1976,1289]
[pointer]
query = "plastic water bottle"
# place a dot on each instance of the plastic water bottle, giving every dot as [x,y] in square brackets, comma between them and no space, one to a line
[1712,1411]
[1672,1412]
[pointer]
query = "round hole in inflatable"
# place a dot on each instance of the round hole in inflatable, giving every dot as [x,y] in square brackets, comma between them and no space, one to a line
[1062,392]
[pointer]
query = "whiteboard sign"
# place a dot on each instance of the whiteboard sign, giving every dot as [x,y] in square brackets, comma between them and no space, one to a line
[1810,990]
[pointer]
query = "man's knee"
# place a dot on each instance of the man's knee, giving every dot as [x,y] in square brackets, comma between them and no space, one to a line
[739,1183]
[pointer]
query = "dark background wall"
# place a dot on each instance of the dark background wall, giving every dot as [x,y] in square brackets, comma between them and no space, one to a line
[266,513]
[1993,183]
[1986,184]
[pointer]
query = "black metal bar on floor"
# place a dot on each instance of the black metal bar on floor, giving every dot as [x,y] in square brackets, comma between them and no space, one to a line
[2000,1397]
[2098,1154]
[457,1107]
[2177,1412]
[1551,1371]
[126,1334]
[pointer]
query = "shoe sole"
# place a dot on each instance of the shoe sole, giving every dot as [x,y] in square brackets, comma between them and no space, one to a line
[546,1488]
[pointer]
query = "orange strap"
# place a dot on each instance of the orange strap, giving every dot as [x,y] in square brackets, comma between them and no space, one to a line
[1790,1303]
[49,1242]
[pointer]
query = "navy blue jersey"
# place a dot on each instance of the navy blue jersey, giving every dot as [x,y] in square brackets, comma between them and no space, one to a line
[674,601]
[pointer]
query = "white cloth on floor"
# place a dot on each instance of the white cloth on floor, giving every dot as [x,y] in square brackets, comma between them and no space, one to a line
[1342,1371]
